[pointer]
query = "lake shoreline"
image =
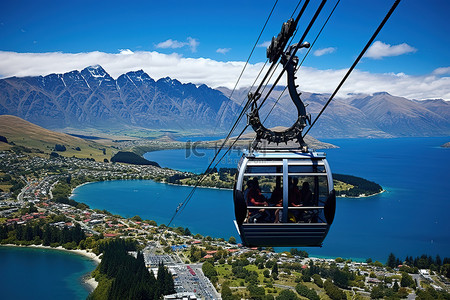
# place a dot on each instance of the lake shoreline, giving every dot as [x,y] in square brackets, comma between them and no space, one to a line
[86,279]
[206,187]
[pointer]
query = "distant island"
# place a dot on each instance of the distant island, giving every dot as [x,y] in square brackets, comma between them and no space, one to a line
[446,145]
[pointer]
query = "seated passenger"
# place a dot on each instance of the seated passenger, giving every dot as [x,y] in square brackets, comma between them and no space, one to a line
[294,200]
[306,194]
[307,200]
[255,198]
[276,199]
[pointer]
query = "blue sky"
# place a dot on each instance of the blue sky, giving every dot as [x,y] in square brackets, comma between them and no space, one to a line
[208,41]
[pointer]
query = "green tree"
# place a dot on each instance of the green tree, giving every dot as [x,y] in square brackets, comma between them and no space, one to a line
[136,218]
[232,240]
[376,293]
[209,270]
[255,291]
[318,280]
[445,270]
[391,262]
[333,291]
[341,278]
[275,268]
[407,280]
[287,295]
[226,293]
[304,291]
[395,287]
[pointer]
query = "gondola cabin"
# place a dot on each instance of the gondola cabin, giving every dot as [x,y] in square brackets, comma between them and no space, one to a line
[283,198]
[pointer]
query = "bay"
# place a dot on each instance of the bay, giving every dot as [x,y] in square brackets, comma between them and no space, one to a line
[410,218]
[34,273]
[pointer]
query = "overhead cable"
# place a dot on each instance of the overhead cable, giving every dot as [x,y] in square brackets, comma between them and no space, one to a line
[304,57]
[361,54]
[246,63]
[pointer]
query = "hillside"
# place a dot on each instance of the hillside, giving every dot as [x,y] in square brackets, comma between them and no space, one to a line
[23,133]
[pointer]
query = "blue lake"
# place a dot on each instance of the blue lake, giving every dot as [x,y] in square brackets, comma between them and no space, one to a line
[410,218]
[32,273]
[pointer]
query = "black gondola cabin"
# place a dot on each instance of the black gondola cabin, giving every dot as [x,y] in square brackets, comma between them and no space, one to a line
[296,202]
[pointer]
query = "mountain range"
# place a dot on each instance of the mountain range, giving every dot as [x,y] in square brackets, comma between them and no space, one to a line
[92,98]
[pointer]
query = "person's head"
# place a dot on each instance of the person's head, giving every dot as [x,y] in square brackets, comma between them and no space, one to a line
[305,185]
[255,182]
[295,181]
[249,183]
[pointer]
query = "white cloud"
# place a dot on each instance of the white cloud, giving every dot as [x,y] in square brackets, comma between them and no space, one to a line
[324,51]
[264,44]
[174,44]
[193,44]
[223,50]
[442,71]
[170,44]
[378,50]
[215,73]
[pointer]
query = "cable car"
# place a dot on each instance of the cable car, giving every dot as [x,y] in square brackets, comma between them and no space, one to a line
[283,197]
[277,178]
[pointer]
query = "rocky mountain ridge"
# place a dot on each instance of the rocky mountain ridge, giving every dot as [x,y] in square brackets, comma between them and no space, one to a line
[92,98]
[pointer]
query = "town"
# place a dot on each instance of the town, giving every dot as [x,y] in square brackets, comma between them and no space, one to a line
[37,189]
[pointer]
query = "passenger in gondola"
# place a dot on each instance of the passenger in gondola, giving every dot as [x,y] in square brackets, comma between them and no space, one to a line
[294,200]
[307,200]
[276,199]
[249,185]
[306,194]
[255,198]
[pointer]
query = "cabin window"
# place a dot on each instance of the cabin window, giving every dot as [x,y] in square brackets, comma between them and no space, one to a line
[264,196]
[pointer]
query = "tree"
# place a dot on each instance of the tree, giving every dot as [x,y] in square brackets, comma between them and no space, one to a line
[275,268]
[407,280]
[438,260]
[256,292]
[287,295]
[226,293]
[333,291]
[391,262]
[395,287]
[60,148]
[318,280]
[232,240]
[136,218]
[209,270]
[302,290]
[445,270]
[376,293]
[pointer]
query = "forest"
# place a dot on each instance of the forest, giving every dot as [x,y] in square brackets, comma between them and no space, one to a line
[45,234]
[122,276]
